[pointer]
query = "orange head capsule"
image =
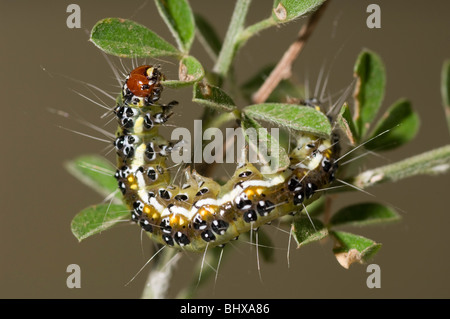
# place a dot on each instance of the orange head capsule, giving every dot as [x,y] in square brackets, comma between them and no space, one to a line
[143,85]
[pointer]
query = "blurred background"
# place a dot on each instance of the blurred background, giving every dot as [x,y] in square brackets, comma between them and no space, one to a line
[42,62]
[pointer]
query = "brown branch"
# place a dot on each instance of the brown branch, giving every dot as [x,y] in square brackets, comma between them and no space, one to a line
[283,68]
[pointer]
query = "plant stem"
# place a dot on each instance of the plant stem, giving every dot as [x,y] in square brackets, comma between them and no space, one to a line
[445,89]
[433,162]
[228,50]
[158,280]
[250,31]
[203,272]
[283,69]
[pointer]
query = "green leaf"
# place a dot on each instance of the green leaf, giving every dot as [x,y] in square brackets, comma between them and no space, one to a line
[317,207]
[351,248]
[402,123]
[208,37]
[212,96]
[284,91]
[445,89]
[305,232]
[279,160]
[125,38]
[287,10]
[95,172]
[177,14]
[189,72]
[369,91]
[97,218]
[347,125]
[297,117]
[364,214]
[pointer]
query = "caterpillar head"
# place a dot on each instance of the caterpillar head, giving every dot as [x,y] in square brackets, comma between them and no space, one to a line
[142,86]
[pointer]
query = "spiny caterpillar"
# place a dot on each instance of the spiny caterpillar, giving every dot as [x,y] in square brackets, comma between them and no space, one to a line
[200,213]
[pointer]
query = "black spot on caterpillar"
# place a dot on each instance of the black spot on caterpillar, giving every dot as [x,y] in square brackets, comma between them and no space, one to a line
[201,213]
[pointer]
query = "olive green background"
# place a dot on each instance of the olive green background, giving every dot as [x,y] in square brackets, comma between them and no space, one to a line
[39,198]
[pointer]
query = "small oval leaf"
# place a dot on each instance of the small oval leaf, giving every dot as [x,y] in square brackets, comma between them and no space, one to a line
[351,248]
[307,230]
[212,96]
[364,214]
[297,117]
[287,10]
[189,72]
[369,90]
[94,219]
[177,14]
[402,123]
[126,38]
[345,122]
[317,207]
[95,172]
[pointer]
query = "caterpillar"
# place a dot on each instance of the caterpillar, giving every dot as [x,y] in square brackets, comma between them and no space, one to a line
[200,213]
